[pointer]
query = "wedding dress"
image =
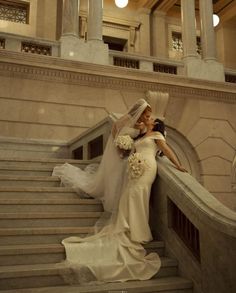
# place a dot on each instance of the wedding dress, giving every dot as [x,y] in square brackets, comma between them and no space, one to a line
[116,252]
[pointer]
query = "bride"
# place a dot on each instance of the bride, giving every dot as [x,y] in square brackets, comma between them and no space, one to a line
[115,252]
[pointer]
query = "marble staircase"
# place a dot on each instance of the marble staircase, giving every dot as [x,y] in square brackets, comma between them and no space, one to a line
[36,213]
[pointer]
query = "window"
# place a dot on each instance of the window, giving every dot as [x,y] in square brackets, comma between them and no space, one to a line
[15,11]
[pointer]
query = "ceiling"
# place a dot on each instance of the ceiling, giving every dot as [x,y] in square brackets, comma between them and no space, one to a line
[226,9]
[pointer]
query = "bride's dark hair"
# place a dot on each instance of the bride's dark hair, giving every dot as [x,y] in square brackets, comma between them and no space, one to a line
[159,126]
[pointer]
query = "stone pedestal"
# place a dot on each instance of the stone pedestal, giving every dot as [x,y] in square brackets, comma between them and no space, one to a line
[201,69]
[76,49]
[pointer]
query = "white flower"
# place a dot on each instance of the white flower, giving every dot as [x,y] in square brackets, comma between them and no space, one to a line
[136,165]
[124,142]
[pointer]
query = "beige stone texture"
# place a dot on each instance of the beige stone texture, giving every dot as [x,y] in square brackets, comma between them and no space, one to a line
[229,44]
[213,110]
[39,131]
[46,19]
[215,147]
[205,128]
[218,183]
[183,114]
[216,165]
[227,198]
[231,110]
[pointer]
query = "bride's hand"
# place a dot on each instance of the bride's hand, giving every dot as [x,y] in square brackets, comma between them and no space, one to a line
[181,168]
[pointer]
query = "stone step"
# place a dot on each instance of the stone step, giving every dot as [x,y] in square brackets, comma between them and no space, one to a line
[61,219]
[37,193]
[48,253]
[161,285]
[43,275]
[40,162]
[37,181]
[49,205]
[47,235]
[26,170]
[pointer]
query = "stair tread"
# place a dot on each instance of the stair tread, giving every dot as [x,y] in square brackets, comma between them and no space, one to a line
[37,269]
[37,189]
[45,160]
[29,178]
[39,248]
[26,167]
[79,201]
[167,283]
[49,215]
[44,231]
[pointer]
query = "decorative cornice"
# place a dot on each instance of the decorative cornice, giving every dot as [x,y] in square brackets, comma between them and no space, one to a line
[52,69]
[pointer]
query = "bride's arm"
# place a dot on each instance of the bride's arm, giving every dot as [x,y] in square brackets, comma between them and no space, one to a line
[162,145]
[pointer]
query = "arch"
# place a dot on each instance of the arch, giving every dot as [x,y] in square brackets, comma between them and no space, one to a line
[184,152]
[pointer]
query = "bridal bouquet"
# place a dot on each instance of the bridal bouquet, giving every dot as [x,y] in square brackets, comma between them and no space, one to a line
[124,144]
[136,165]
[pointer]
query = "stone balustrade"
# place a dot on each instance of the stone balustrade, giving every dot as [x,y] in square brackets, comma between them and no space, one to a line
[211,263]
[11,42]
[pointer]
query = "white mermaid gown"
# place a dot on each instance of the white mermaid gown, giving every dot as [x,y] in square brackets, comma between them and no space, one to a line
[116,252]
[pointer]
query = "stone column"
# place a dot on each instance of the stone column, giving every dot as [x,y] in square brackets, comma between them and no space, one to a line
[188,28]
[194,66]
[144,17]
[207,30]
[72,47]
[159,41]
[70,18]
[95,13]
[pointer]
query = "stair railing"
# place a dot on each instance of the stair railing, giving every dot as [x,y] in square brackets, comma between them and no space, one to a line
[197,229]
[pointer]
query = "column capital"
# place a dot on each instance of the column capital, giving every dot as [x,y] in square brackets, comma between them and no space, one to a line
[159,13]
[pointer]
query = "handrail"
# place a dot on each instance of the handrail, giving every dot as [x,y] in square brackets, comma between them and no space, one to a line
[220,217]
[205,238]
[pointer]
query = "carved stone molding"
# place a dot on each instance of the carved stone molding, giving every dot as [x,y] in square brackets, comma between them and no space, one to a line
[73,72]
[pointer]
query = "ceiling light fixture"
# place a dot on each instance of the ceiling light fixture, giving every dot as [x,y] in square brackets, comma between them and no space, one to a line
[121,3]
[216,20]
